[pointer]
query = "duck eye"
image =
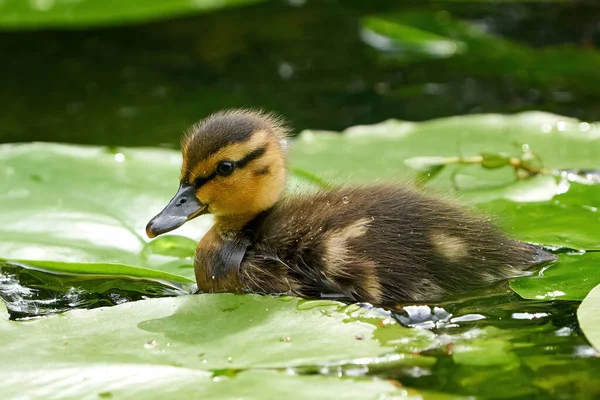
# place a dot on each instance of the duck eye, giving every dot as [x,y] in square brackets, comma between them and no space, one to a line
[225,168]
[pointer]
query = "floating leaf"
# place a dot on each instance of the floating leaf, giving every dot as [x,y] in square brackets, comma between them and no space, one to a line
[172,246]
[588,315]
[407,41]
[88,206]
[569,220]
[569,279]
[209,332]
[425,164]
[135,381]
[18,14]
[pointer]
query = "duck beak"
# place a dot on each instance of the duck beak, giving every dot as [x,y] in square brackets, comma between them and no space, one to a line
[183,207]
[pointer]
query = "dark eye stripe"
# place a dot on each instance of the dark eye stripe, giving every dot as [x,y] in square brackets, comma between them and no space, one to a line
[253,155]
[198,182]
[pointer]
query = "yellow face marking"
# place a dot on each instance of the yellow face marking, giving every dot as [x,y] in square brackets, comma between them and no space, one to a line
[232,152]
[250,189]
[450,247]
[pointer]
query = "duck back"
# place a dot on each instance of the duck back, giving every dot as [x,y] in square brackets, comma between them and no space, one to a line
[378,244]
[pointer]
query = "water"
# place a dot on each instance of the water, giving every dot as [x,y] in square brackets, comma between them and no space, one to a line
[143,85]
[528,349]
[31,291]
[549,357]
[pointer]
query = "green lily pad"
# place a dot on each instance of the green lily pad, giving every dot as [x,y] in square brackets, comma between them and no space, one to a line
[464,46]
[210,332]
[405,41]
[124,381]
[89,206]
[569,220]
[107,269]
[569,279]
[16,14]
[377,152]
[589,316]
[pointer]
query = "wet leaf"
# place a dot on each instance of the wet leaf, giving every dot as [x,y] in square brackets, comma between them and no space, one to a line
[34,291]
[88,207]
[494,160]
[378,151]
[569,279]
[16,14]
[425,164]
[588,315]
[485,352]
[405,41]
[123,381]
[208,332]
[569,220]
[171,245]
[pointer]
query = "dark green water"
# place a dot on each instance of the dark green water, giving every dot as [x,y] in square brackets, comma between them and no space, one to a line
[143,85]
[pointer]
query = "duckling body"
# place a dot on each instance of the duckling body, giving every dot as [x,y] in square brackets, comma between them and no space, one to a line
[379,244]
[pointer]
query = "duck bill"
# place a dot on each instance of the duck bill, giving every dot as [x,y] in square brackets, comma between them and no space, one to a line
[183,207]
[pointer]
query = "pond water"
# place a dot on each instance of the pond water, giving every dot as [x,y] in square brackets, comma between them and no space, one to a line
[317,64]
[322,65]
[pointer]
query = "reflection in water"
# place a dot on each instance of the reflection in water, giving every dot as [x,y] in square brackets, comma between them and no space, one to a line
[30,291]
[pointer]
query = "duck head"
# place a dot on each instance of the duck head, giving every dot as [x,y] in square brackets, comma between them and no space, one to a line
[233,167]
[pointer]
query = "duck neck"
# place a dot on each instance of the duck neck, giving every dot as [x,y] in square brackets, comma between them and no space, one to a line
[227,224]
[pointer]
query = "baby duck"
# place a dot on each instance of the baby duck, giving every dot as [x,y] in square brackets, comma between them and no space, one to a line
[380,244]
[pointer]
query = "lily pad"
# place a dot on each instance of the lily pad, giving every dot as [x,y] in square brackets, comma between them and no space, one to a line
[466,46]
[570,220]
[405,41]
[210,332]
[89,206]
[18,14]
[377,152]
[124,381]
[569,279]
[588,315]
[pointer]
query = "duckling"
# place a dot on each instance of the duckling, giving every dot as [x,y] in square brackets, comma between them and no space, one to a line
[380,244]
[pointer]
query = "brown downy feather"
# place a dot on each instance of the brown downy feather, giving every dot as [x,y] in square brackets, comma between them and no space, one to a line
[376,244]
[380,244]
